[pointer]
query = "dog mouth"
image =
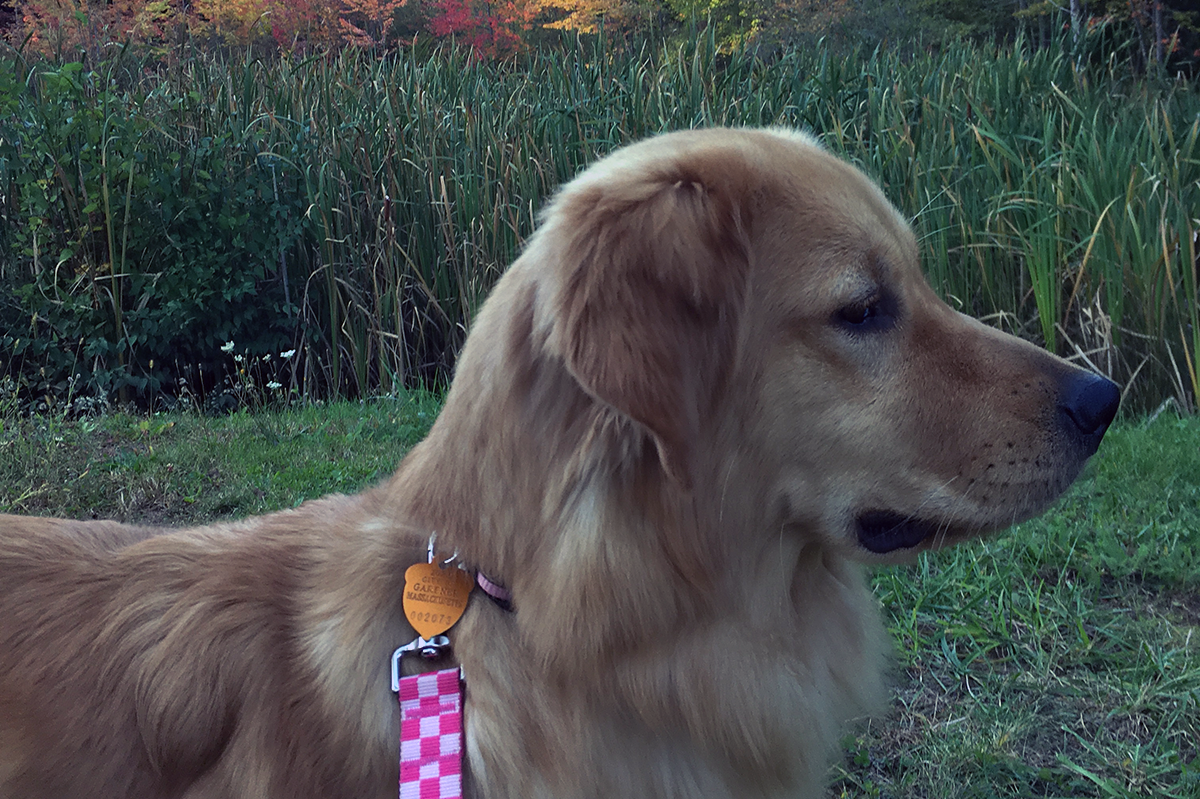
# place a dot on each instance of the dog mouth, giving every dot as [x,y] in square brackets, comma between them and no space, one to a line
[883,531]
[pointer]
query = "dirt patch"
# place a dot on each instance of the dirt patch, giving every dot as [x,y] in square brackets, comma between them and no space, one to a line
[1185,607]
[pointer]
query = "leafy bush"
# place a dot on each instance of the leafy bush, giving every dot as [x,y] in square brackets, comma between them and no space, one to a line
[138,250]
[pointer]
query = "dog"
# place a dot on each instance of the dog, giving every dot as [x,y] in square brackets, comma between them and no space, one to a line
[714,384]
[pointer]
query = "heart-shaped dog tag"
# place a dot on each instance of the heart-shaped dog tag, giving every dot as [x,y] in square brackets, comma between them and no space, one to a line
[435,597]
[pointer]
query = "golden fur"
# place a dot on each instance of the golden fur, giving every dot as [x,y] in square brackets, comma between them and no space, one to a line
[714,383]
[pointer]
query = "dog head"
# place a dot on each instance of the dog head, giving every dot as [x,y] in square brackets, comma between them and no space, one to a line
[745,295]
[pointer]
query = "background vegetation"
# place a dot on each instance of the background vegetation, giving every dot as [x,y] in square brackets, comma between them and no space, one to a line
[353,211]
[1060,659]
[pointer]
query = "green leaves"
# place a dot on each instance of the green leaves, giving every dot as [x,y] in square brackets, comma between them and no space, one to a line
[163,241]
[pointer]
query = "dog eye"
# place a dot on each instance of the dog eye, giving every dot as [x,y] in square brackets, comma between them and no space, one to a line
[858,315]
[875,314]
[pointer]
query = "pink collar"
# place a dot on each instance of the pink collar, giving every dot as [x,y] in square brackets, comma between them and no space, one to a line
[499,594]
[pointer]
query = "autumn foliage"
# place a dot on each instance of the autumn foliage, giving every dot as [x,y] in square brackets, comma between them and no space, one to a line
[367,23]
[493,28]
[496,28]
[52,26]
[1159,30]
[287,22]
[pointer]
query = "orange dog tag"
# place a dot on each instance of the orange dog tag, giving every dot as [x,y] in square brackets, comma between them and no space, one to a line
[435,598]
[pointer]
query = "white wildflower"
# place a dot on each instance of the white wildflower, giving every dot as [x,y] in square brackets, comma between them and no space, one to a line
[227,347]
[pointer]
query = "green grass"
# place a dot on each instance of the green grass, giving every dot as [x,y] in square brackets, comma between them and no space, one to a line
[1061,658]
[181,468]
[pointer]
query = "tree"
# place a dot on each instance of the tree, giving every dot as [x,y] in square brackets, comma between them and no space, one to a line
[588,16]
[289,23]
[367,23]
[59,25]
[495,28]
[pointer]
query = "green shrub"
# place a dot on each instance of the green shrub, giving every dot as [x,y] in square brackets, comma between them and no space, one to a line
[135,251]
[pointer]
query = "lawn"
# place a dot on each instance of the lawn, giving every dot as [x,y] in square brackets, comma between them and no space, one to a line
[1061,658]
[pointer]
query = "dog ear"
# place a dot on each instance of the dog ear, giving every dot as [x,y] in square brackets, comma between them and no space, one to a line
[655,273]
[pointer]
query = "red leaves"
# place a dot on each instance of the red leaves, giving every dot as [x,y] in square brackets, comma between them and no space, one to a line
[495,28]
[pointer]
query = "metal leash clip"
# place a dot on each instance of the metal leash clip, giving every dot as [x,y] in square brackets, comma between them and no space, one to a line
[429,649]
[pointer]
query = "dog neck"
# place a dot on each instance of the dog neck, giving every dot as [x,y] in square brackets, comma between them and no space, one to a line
[565,501]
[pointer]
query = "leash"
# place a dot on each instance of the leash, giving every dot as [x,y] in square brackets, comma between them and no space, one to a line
[431,735]
[431,704]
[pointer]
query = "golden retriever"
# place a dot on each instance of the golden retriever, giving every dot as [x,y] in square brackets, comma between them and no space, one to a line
[713,385]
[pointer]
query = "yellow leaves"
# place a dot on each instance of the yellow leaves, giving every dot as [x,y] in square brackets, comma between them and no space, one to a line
[586,16]
[581,15]
[235,20]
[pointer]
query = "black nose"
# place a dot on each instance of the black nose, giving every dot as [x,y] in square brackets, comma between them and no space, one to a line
[1089,404]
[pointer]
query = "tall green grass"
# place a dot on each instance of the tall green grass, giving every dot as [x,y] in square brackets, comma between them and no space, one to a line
[1059,201]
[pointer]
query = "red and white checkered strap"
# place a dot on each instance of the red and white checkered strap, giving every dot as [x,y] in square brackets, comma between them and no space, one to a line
[431,735]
